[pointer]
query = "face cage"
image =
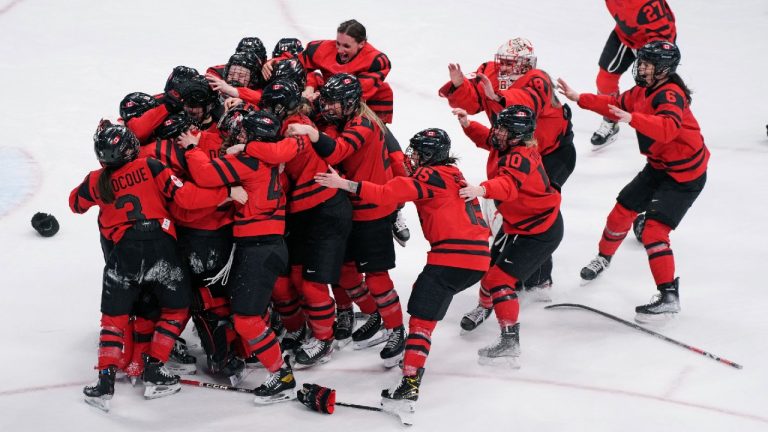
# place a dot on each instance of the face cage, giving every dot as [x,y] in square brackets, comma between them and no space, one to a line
[239,76]
[520,64]
[659,73]
[346,107]
[512,139]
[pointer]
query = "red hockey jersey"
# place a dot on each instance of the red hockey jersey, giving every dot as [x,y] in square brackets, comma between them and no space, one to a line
[142,189]
[455,229]
[641,21]
[667,133]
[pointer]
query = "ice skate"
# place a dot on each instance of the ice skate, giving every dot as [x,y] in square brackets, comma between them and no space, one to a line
[181,362]
[313,352]
[292,339]
[342,330]
[401,400]
[279,387]
[472,319]
[592,270]
[664,305]
[505,351]
[604,135]
[369,334]
[393,350]
[158,382]
[100,393]
[400,231]
[541,292]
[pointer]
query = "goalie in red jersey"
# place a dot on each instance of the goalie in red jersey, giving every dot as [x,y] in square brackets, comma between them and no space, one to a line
[658,108]
[456,231]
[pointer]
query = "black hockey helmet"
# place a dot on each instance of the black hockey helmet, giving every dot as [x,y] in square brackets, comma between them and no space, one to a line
[518,123]
[280,97]
[174,125]
[341,88]
[135,104]
[429,147]
[249,61]
[114,144]
[291,45]
[291,69]
[663,55]
[196,92]
[254,45]
[261,126]
[178,77]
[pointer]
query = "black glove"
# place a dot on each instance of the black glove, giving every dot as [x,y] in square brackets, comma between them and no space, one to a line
[317,398]
[45,224]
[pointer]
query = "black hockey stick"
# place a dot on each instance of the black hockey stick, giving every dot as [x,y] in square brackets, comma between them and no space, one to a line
[650,332]
[215,386]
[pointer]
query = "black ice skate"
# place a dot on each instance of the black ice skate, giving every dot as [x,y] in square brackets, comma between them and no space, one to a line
[541,292]
[505,351]
[401,400]
[314,352]
[369,334]
[594,268]
[293,339]
[181,362]
[663,306]
[393,350]
[342,330]
[100,393]
[233,368]
[158,382]
[604,135]
[400,231]
[279,386]
[472,319]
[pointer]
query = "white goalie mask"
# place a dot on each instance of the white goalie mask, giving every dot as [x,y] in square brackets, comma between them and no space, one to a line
[513,59]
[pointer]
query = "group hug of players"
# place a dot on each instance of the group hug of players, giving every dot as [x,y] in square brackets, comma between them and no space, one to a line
[238,197]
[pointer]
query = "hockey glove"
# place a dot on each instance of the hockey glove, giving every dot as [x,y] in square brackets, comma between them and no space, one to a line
[45,224]
[317,398]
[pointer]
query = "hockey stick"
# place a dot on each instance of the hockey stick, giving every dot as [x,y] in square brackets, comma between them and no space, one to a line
[650,332]
[215,386]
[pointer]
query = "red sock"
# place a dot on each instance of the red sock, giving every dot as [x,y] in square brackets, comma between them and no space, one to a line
[660,257]
[417,345]
[167,330]
[617,226]
[387,300]
[484,298]
[112,340]
[505,303]
[341,297]
[320,308]
[259,340]
[607,83]
[285,298]
[142,337]
[353,283]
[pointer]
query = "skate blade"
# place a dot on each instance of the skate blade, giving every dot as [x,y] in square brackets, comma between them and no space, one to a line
[341,343]
[133,380]
[237,378]
[181,368]
[379,337]
[405,410]
[393,361]
[661,318]
[158,391]
[508,362]
[325,359]
[283,396]
[597,148]
[101,403]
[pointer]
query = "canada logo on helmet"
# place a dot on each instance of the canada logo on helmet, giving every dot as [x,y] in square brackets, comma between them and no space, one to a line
[347,81]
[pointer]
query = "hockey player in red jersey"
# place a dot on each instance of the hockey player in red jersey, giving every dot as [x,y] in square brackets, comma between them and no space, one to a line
[637,23]
[260,254]
[354,140]
[532,225]
[131,194]
[319,221]
[658,108]
[458,236]
[513,79]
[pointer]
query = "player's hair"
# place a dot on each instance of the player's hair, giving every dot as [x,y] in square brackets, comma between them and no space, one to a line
[353,29]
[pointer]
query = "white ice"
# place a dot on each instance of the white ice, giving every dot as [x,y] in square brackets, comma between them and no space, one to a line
[66,64]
